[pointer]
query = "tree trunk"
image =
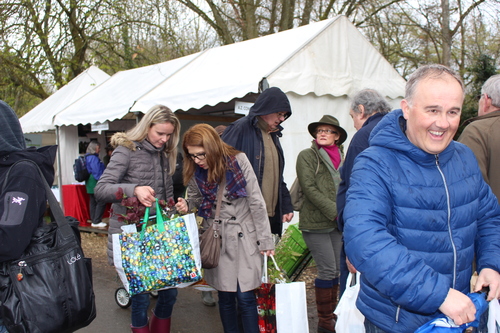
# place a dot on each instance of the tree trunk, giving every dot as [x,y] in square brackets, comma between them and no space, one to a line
[445,28]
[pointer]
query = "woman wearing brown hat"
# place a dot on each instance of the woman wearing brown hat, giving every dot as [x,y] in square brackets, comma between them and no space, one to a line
[319,177]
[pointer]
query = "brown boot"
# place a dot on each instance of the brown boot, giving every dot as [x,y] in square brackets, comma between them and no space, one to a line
[325,306]
[335,299]
[159,325]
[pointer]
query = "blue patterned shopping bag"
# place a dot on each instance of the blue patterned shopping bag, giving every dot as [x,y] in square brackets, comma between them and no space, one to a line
[162,255]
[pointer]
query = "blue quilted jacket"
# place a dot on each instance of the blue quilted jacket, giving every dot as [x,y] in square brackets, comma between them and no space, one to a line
[414,222]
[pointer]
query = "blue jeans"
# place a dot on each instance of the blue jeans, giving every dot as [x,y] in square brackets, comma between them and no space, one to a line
[163,309]
[370,328]
[247,307]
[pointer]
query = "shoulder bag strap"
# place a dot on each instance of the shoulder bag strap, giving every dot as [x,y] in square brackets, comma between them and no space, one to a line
[55,208]
[317,156]
[219,198]
[218,224]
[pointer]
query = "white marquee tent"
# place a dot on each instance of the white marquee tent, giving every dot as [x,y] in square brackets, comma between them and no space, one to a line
[39,119]
[318,66]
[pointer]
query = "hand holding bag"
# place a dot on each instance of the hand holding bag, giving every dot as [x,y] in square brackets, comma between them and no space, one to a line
[211,239]
[48,289]
[349,318]
[162,255]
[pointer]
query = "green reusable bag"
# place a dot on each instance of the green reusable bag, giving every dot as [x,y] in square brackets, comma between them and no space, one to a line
[159,256]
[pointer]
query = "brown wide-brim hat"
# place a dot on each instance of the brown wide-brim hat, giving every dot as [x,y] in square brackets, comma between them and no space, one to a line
[332,121]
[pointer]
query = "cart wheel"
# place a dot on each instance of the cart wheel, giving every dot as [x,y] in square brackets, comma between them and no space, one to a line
[122,298]
[154,293]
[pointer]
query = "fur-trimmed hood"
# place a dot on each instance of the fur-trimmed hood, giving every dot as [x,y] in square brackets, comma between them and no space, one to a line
[121,139]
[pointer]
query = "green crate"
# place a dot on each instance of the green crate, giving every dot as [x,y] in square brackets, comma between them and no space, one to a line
[291,250]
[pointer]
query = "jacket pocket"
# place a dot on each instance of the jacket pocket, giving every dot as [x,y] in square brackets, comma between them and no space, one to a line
[249,237]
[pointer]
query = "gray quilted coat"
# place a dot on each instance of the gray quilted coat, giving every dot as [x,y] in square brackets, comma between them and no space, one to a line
[132,164]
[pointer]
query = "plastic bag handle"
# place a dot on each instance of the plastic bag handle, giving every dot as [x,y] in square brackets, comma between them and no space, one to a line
[264,268]
[265,278]
[275,264]
[356,276]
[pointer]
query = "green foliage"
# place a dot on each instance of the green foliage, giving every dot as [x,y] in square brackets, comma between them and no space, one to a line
[481,69]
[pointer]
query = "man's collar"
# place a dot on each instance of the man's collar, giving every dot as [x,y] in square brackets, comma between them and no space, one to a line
[491,114]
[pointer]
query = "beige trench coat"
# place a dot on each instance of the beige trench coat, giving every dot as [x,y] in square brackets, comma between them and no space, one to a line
[246,233]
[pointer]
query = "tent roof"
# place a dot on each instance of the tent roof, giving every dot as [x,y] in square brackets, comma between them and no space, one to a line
[39,119]
[114,97]
[327,57]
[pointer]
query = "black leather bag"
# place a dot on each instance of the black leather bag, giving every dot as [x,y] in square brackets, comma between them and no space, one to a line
[49,289]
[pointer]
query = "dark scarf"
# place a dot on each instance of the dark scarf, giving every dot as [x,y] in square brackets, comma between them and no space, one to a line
[333,152]
[235,186]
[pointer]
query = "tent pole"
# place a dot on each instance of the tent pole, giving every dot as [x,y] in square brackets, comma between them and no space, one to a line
[58,162]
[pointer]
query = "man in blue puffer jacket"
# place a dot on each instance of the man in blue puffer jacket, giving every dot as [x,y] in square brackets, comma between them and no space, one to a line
[418,212]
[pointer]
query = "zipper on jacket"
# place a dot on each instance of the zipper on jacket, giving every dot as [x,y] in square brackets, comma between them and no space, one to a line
[397,313]
[7,208]
[449,222]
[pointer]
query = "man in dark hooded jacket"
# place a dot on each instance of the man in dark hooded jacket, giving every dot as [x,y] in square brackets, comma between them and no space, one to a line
[257,135]
[22,196]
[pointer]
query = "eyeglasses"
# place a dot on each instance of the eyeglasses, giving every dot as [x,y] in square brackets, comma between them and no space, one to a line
[326,131]
[481,95]
[282,114]
[200,156]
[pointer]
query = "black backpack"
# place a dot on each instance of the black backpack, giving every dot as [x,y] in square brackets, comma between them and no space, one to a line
[80,169]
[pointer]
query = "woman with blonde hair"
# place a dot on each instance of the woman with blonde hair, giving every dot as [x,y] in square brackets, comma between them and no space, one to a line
[209,163]
[142,165]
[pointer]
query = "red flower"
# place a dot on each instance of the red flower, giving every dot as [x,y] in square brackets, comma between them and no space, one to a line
[119,194]
[171,202]
[134,209]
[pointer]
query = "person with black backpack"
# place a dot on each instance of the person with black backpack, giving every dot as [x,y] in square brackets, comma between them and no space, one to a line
[95,167]
[23,199]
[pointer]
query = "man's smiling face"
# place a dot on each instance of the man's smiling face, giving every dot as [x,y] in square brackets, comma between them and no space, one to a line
[433,114]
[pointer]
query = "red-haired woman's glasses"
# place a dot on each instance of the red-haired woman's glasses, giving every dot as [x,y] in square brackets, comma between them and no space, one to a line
[200,156]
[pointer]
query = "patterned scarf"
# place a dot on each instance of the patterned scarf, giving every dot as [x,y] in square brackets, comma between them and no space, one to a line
[235,186]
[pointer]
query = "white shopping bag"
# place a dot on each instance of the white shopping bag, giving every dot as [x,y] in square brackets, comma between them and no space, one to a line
[349,318]
[291,308]
[494,317]
[192,228]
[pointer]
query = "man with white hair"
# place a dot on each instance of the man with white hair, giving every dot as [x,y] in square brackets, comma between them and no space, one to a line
[482,133]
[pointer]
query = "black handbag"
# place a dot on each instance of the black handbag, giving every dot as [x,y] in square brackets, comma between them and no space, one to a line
[49,289]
